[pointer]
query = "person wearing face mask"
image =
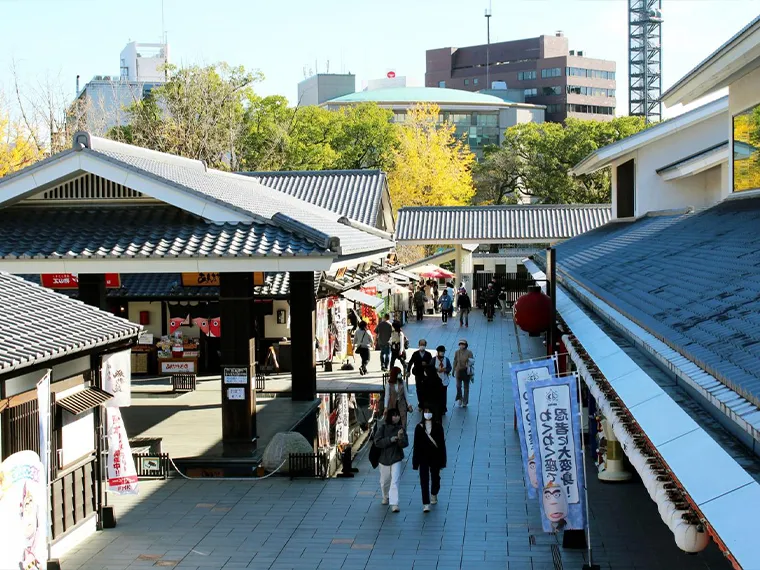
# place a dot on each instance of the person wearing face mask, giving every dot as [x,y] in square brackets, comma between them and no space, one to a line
[391,439]
[443,369]
[429,457]
[395,394]
[463,363]
[418,364]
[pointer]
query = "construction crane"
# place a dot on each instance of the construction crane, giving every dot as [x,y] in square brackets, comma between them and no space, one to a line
[645,59]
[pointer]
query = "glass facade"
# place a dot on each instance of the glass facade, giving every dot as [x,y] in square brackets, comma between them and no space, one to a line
[441,84]
[551,72]
[746,138]
[479,129]
[593,73]
[592,109]
[532,92]
[526,75]
[595,91]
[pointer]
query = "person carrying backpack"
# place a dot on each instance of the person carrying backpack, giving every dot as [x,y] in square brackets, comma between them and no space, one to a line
[446,303]
[363,342]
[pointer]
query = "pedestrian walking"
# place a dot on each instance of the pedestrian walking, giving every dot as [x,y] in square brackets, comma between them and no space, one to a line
[399,344]
[464,362]
[464,305]
[433,391]
[434,292]
[363,342]
[491,301]
[395,394]
[443,367]
[419,302]
[384,331]
[429,457]
[446,302]
[391,439]
[418,364]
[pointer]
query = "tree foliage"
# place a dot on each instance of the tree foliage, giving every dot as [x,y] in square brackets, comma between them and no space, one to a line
[534,161]
[17,147]
[431,166]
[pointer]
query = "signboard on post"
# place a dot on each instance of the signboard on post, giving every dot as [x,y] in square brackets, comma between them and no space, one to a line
[235,376]
[341,424]
[522,374]
[555,415]
[236,393]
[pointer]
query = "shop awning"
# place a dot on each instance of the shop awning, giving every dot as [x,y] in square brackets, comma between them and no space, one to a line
[84,400]
[374,302]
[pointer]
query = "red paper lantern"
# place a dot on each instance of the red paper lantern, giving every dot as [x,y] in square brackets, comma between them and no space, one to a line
[144,317]
[533,311]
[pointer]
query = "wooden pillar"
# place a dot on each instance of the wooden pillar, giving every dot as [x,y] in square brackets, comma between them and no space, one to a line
[552,335]
[238,363]
[302,333]
[92,290]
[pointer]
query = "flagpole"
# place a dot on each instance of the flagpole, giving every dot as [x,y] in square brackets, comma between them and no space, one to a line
[590,565]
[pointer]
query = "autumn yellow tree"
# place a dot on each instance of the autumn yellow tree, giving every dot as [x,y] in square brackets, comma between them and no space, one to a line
[431,166]
[17,149]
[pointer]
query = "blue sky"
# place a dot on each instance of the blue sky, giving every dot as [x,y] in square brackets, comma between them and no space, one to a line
[62,38]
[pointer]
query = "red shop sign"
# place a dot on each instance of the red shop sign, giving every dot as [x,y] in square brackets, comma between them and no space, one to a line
[69,281]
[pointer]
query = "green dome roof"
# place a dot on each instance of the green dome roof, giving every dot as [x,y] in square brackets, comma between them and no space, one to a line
[412,95]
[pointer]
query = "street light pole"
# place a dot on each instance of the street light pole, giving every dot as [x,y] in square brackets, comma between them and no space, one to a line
[488,46]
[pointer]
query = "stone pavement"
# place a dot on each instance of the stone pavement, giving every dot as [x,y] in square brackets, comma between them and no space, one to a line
[483,520]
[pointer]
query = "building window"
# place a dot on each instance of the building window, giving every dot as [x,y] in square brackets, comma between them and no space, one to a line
[475,81]
[746,135]
[488,120]
[554,108]
[526,75]
[441,84]
[551,72]
[590,109]
[593,91]
[532,92]
[593,73]
[548,91]
[466,81]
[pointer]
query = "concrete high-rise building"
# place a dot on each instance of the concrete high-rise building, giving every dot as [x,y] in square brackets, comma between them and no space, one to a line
[101,103]
[323,87]
[549,73]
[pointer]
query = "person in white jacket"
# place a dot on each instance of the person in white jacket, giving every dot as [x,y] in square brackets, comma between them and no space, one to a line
[363,342]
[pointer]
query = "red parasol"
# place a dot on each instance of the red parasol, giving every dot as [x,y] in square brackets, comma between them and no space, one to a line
[438,274]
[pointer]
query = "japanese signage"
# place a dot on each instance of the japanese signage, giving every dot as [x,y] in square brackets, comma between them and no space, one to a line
[522,374]
[554,413]
[200,280]
[177,366]
[121,472]
[322,331]
[341,424]
[116,375]
[235,376]
[23,512]
[71,281]
[236,393]
[323,421]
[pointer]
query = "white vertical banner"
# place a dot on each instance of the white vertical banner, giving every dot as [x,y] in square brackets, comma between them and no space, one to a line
[121,472]
[116,377]
[43,407]
[341,424]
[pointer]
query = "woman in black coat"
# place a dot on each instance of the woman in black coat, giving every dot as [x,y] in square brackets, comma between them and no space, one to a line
[429,457]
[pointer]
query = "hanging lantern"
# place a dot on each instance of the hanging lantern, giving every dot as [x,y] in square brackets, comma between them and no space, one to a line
[533,312]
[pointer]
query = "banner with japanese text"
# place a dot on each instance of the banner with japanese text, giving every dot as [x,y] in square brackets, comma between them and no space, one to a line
[323,421]
[522,374]
[121,472]
[116,375]
[554,413]
[342,425]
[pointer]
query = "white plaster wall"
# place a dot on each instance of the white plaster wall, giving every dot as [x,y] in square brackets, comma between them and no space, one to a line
[271,328]
[742,95]
[133,314]
[653,193]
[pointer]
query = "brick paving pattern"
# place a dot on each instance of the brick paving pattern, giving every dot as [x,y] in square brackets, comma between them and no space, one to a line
[483,519]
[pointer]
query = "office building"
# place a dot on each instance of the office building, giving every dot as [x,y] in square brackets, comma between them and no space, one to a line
[101,104]
[322,87]
[544,68]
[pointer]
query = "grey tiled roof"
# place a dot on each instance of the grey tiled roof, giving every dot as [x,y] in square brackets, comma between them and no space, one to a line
[356,194]
[41,325]
[540,223]
[137,231]
[242,194]
[692,280]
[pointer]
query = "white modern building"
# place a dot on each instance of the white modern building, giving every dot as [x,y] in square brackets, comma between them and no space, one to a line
[101,103]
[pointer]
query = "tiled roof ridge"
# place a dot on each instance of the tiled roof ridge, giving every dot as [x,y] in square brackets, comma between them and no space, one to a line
[285,173]
[475,208]
[103,144]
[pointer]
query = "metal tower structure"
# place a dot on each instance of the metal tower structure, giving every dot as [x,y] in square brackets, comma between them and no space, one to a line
[645,59]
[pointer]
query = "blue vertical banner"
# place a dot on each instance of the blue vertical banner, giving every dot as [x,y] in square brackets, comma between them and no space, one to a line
[554,414]
[522,374]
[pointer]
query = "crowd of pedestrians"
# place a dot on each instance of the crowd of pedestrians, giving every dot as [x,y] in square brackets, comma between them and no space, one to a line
[432,374]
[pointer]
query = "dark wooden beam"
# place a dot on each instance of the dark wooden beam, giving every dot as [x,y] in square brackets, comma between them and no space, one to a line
[302,305]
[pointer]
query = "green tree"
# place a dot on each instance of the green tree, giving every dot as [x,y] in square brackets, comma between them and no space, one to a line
[367,137]
[497,177]
[540,156]
[197,114]
[431,166]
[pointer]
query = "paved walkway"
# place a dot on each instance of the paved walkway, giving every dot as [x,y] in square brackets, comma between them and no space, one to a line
[483,520]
